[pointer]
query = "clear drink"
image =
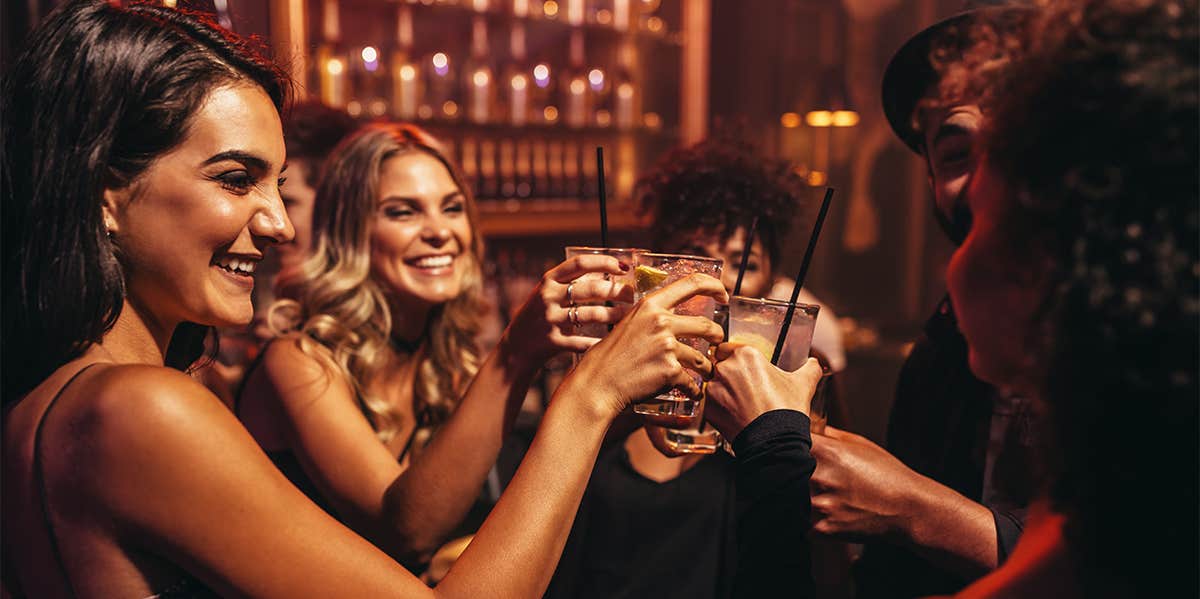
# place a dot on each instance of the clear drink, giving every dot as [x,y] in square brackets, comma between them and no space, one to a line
[757,322]
[657,270]
[626,255]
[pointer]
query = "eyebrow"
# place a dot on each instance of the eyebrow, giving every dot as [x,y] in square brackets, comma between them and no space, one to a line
[245,158]
[398,198]
[949,130]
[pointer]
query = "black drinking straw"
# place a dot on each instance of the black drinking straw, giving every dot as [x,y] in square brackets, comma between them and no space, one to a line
[737,287]
[808,253]
[603,197]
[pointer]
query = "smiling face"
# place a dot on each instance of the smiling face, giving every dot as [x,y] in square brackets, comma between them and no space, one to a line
[757,280]
[420,235]
[950,138]
[191,229]
[996,283]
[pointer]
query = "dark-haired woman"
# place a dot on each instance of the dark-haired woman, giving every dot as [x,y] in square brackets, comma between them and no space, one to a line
[1079,286]
[142,158]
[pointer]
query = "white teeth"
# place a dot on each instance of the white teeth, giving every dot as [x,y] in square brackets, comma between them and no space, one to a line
[236,265]
[434,261]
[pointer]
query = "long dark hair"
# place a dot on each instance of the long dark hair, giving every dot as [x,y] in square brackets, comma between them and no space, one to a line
[1097,130]
[99,92]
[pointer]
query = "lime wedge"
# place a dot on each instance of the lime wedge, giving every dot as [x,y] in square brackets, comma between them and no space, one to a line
[648,278]
[765,346]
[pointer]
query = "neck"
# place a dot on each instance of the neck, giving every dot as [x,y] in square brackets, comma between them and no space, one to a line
[409,321]
[137,337]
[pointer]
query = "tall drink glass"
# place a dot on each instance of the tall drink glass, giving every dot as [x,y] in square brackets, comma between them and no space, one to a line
[658,270]
[756,322]
[626,255]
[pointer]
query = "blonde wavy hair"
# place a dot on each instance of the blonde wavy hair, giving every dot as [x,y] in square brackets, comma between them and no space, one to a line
[332,300]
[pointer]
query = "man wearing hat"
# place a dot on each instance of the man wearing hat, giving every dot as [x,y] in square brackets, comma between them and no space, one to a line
[945,503]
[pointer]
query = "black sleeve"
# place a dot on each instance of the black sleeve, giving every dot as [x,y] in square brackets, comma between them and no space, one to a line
[1009,524]
[773,467]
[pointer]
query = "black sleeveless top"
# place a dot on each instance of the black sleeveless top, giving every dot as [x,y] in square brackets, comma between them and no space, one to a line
[187,587]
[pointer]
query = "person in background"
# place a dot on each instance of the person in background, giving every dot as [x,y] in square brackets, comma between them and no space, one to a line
[945,502]
[1078,285]
[123,476]
[664,526]
[376,402]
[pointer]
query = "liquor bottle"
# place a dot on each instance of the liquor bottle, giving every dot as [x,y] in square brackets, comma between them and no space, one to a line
[470,164]
[600,89]
[524,164]
[441,89]
[370,83]
[543,96]
[626,94]
[571,173]
[488,180]
[554,170]
[406,72]
[331,61]
[479,78]
[518,77]
[576,12]
[508,169]
[588,180]
[520,8]
[574,93]
[539,164]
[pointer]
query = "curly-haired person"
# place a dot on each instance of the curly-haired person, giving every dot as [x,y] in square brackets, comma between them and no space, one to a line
[630,538]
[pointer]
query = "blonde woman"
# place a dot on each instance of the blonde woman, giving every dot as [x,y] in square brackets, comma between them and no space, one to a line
[387,308]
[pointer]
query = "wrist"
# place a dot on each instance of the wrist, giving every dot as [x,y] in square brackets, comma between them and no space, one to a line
[916,502]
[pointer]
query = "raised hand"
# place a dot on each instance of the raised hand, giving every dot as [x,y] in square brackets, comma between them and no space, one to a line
[642,355]
[746,385]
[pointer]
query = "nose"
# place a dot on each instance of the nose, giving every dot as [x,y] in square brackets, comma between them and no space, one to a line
[436,232]
[272,221]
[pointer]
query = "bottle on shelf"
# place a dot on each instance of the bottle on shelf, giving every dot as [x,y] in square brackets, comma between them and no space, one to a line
[479,78]
[625,98]
[441,89]
[507,169]
[488,180]
[571,172]
[543,98]
[539,168]
[331,62]
[524,167]
[574,91]
[576,12]
[406,72]
[370,84]
[518,78]
[554,170]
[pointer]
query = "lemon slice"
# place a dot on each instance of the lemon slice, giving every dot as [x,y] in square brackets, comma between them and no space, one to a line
[765,346]
[648,278]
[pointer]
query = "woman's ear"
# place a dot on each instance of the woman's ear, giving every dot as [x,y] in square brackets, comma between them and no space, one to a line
[113,204]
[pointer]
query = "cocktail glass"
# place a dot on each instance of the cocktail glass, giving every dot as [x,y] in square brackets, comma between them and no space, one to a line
[653,272]
[625,255]
[756,322]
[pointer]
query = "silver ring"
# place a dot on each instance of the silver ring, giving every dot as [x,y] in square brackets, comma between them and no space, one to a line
[573,315]
[570,294]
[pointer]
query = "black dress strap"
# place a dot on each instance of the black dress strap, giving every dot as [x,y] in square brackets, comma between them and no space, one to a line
[40,481]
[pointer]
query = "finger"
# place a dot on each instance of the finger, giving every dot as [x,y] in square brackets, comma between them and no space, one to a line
[575,343]
[696,326]
[811,372]
[586,314]
[688,287]
[686,383]
[575,267]
[726,350]
[598,291]
[690,358]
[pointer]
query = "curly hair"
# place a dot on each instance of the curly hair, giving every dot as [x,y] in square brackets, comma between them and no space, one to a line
[336,304]
[1095,126]
[311,131]
[718,185]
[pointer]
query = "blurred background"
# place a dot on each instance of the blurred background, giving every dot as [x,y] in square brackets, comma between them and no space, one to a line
[524,90]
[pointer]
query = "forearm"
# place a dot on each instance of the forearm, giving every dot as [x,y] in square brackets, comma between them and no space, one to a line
[517,549]
[773,469]
[432,496]
[950,530]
